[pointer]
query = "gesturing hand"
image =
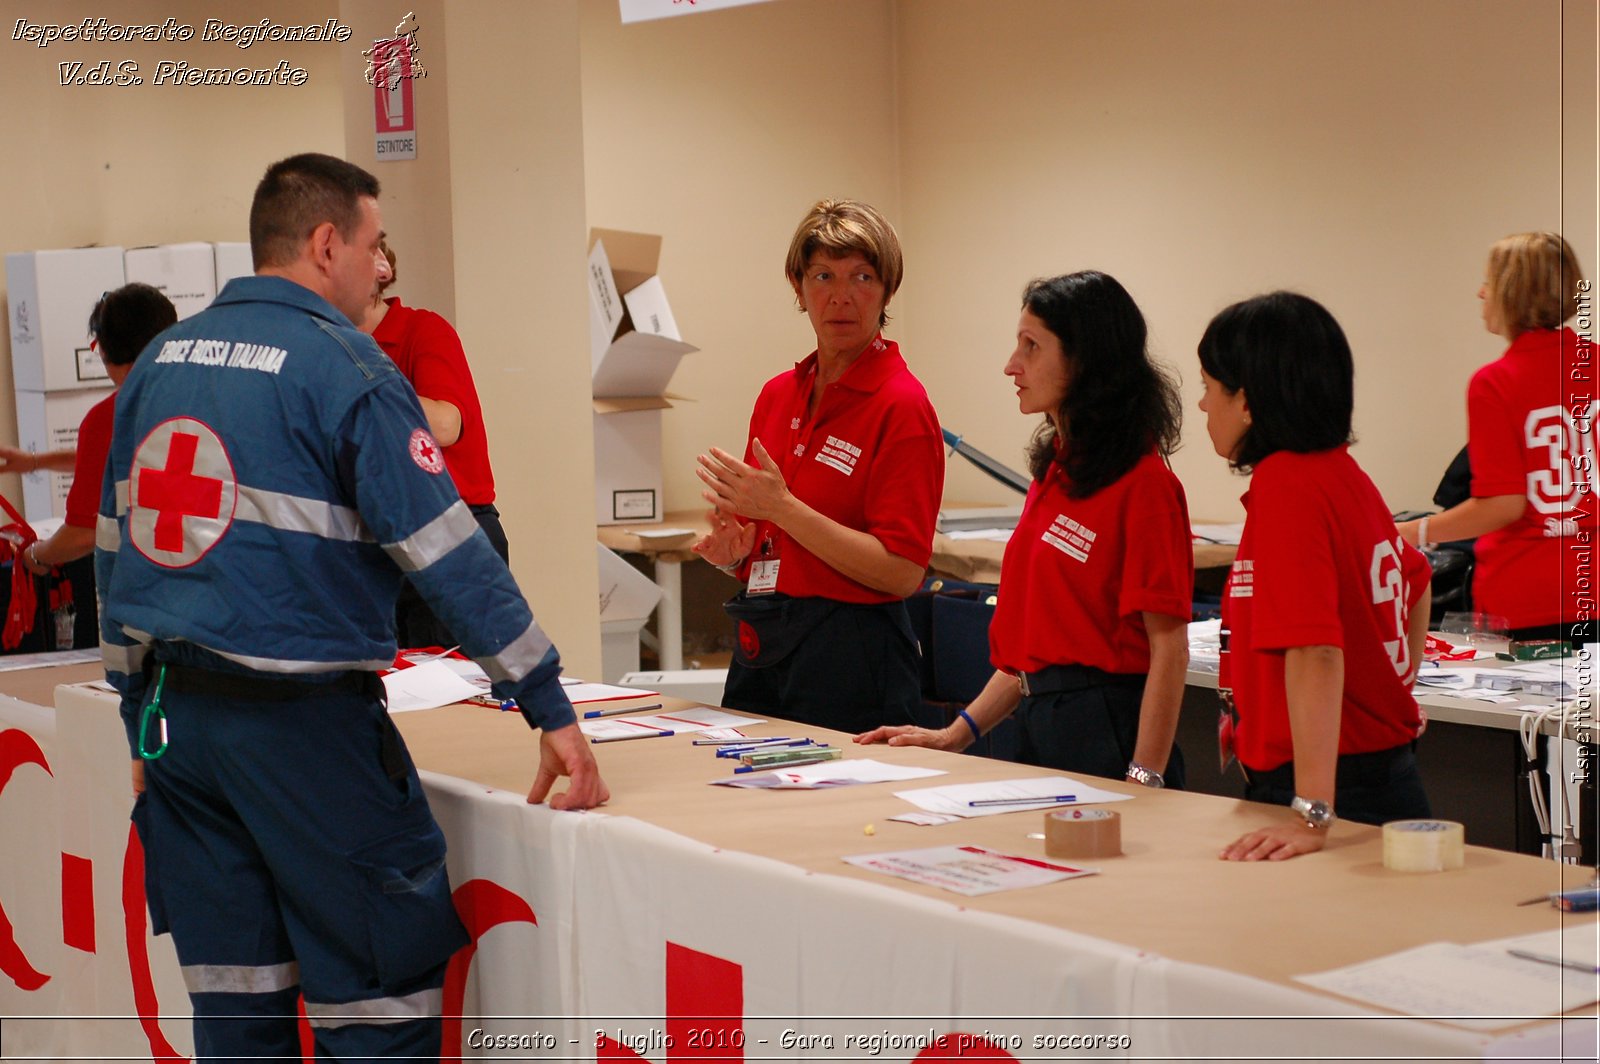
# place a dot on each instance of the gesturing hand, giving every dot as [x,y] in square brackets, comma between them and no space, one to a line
[729,540]
[735,487]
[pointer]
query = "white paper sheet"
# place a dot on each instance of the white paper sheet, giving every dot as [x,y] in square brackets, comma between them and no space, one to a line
[582,692]
[426,687]
[692,719]
[1228,534]
[828,774]
[954,799]
[1481,987]
[1577,945]
[993,535]
[968,870]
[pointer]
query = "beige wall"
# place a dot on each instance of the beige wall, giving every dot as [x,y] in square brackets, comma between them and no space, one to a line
[1365,152]
[718,131]
[146,164]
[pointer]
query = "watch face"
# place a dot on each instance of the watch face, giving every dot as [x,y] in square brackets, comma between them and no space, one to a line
[1317,813]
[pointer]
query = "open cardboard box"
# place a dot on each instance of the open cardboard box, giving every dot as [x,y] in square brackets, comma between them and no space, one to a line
[634,343]
[634,351]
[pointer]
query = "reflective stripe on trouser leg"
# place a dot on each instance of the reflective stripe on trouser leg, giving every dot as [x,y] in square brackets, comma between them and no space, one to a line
[281,836]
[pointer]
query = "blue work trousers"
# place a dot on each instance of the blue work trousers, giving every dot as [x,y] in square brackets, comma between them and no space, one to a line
[290,851]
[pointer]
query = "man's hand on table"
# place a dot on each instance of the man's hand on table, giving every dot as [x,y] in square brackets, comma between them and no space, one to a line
[565,752]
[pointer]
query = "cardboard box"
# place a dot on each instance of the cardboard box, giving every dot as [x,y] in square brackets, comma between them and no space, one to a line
[626,598]
[48,421]
[634,343]
[627,460]
[50,295]
[626,594]
[231,259]
[185,273]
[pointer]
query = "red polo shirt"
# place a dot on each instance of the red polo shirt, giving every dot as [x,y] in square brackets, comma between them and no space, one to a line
[1079,573]
[428,352]
[1531,431]
[89,467]
[1320,564]
[872,459]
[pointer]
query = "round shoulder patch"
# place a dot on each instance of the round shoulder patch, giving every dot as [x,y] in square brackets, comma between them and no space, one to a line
[425,451]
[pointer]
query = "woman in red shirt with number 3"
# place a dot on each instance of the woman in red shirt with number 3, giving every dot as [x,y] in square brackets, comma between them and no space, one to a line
[1326,606]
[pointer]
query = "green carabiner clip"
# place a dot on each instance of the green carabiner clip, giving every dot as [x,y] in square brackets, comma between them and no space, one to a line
[153,709]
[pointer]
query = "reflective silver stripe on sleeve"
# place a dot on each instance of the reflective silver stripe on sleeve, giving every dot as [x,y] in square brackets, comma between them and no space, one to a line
[122,497]
[295,513]
[107,534]
[127,660]
[241,978]
[424,1004]
[434,540]
[519,657]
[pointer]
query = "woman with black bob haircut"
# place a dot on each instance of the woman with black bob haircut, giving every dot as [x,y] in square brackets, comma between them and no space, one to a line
[1326,607]
[1089,638]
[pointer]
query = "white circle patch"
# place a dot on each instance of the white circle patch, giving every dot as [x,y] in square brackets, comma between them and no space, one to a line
[425,451]
[181,493]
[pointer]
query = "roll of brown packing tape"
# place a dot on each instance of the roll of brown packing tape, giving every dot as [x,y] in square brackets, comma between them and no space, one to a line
[1082,833]
[1423,845]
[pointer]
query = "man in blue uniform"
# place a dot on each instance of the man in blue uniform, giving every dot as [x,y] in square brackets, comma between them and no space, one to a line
[271,480]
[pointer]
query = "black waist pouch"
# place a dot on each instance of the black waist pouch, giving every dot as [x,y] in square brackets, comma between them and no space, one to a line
[769,627]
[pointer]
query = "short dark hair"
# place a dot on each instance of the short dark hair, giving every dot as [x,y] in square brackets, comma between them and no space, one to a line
[298,194]
[128,318]
[1293,362]
[1119,404]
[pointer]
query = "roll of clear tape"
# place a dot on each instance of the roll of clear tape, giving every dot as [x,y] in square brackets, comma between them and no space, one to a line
[1082,833]
[1423,845]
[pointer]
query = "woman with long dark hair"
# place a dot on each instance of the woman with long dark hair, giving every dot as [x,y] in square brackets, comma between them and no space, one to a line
[1089,638]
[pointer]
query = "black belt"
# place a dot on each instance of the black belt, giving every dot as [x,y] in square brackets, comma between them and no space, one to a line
[192,680]
[1057,678]
[1355,768]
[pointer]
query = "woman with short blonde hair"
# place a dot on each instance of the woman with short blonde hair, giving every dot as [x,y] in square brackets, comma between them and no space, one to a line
[1531,445]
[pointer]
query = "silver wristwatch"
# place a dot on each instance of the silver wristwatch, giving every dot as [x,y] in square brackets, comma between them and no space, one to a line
[1315,812]
[1144,776]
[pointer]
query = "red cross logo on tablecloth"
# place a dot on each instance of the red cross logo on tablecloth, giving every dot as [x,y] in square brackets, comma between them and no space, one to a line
[182,493]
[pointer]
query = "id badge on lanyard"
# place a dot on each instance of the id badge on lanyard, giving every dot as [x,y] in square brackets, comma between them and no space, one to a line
[1227,715]
[764,570]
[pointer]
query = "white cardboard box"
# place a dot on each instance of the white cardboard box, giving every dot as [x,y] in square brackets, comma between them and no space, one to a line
[50,295]
[231,259]
[627,460]
[185,273]
[634,343]
[626,594]
[48,421]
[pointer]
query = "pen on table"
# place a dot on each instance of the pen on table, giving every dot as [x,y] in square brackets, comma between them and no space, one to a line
[784,764]
[735,751]
[742,741]
[1576,965]
[625,738]
[1042,799]
[593,713]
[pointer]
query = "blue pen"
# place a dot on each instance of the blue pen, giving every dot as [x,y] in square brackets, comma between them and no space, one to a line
[1041,800]
[625,738]
[743,740]
[593,713]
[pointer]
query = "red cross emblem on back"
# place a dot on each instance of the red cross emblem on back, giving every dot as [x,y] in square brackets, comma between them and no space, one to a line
[181,494]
